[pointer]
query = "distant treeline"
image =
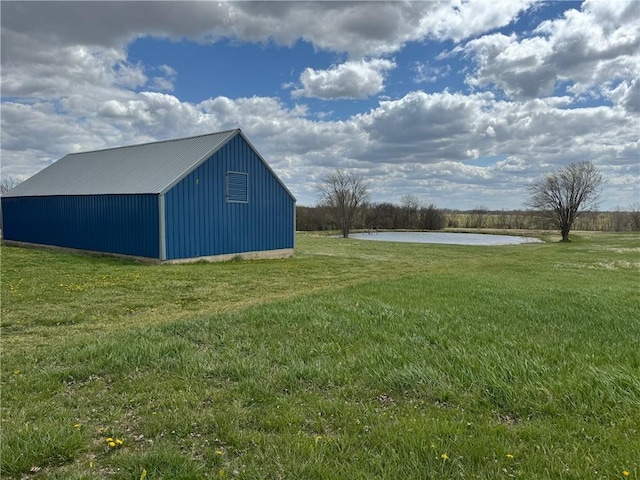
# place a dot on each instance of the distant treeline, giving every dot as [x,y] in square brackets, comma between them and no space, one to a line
[387,216]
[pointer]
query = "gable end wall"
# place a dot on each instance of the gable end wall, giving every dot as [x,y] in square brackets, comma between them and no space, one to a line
[199,222]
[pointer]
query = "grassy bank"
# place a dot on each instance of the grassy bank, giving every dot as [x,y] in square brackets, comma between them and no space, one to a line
[352,360]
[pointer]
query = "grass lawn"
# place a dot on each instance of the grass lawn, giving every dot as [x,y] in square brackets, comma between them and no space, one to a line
[352,360]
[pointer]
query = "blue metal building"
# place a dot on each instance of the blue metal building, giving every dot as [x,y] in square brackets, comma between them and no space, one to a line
[211,196]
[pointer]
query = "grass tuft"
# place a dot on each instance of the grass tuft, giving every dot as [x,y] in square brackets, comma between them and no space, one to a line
[31,446]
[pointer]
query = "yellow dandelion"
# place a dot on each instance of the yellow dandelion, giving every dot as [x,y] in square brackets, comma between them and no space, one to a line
[109,440]
[625,473]
[509,455]
[444,456]
[119,442]
[112,444]
[218,452]
[76,425]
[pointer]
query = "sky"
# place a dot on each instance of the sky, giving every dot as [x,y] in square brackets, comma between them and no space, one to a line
[459,103]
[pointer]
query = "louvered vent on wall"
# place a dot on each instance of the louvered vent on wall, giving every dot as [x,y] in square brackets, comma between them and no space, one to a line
[237,187]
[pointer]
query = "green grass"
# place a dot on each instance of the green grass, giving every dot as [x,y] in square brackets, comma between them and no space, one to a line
[351,360]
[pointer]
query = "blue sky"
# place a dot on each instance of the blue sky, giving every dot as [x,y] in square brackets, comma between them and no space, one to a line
[460,103]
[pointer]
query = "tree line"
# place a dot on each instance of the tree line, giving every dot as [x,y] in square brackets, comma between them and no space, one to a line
[373,216]
[562,200]
[389,216]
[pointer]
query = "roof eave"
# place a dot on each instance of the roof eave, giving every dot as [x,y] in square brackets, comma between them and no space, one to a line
[204,158]
[267,165]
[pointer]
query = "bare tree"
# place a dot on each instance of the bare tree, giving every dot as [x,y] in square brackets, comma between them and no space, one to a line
[477,217]
[634,216]
[410,205]
[343,193]
[431,218]
[563,195]
[7,183]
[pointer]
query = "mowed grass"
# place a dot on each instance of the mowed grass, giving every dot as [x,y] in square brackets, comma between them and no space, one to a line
[352,360]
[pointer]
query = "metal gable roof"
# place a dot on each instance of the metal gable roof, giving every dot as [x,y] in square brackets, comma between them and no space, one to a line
[137,169]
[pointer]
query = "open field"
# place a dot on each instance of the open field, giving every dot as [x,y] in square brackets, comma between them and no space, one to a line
[352,360]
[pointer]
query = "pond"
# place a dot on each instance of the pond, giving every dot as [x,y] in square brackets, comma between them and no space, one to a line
[445,237]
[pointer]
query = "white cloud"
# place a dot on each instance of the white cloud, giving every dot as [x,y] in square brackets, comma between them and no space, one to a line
[626,94]
[55,71]
[166,80]
[457,20]
[352,27]
[352,79]
[418,143]
[585,48]
[425,73]
[443,135]
[427,128]
[73,88]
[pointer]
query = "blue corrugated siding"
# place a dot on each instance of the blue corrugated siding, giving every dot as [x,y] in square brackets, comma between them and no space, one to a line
[200,222]
[122,224]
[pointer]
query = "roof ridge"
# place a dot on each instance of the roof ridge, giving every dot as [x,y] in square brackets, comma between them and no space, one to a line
[155,142]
